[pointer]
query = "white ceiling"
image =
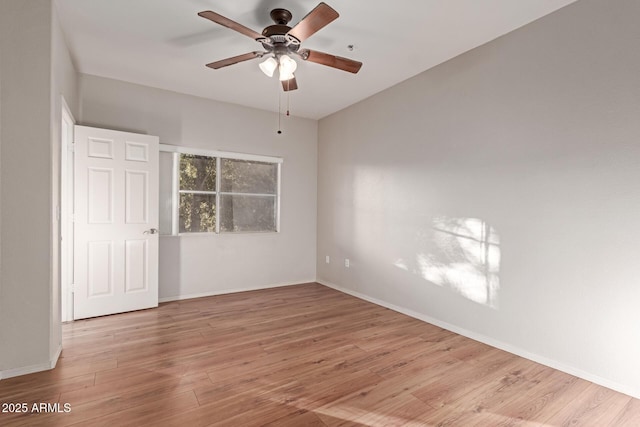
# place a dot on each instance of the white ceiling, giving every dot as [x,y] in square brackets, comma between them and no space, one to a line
[164,44]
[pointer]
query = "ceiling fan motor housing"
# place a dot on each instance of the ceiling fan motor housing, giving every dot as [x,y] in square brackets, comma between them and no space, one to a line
[277,33]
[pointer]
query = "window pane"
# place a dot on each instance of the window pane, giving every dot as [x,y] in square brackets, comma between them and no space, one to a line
[242,176]
[197,173]
[247,213]
[197,213]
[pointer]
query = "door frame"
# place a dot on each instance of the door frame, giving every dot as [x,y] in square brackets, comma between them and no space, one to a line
[66,212]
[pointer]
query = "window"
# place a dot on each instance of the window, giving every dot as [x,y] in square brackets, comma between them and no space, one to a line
[197,202]
[215,192]
[248,195]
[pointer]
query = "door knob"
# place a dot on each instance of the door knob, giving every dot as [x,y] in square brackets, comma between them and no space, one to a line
[151,231]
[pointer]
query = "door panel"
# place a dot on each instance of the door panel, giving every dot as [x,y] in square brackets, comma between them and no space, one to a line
[136,266]
[100,269]
[99,196]
[136,197]
[115,211]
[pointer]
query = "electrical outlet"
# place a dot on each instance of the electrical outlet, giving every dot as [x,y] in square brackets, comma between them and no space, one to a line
[346,262]
[327,259]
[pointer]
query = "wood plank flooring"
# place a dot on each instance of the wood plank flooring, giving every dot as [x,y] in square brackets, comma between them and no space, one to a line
[302,355]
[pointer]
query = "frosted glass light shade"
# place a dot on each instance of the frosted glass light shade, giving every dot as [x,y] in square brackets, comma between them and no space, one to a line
[287,67]
[268,66]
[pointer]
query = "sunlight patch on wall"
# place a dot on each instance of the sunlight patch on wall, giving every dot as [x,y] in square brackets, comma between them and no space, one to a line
[463,255]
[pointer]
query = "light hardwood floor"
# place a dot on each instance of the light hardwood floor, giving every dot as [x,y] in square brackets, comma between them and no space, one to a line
[297,356]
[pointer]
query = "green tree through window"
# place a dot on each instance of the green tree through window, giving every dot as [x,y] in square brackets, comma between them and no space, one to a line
[197,193]
[242,196]
[248,193]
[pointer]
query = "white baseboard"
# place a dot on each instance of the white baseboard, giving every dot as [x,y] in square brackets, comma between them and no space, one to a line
[622,388]
[16,372]
[54,360]
[231,291]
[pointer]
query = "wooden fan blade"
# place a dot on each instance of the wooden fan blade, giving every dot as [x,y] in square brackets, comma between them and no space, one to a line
[290,84]
[234,60]
[338,62]
[226,22]
[315,20]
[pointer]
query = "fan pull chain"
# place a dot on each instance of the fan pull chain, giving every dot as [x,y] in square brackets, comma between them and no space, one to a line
[288,82]
[279,112]
[280,107]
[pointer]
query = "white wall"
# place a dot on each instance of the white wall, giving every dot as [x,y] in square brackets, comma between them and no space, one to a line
[25,229]
[535,136]
[35,71]
[196,265]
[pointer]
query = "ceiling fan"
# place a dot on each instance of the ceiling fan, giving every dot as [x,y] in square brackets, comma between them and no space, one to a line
[280,41]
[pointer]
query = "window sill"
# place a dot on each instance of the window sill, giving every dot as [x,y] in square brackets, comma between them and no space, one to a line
[237,233]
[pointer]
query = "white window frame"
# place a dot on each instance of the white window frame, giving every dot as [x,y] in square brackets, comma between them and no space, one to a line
[175,188]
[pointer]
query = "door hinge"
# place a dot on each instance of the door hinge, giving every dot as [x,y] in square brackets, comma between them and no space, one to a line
[73,288]
[71,147]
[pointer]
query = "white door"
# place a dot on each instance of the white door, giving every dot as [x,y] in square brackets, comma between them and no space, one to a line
[115,222]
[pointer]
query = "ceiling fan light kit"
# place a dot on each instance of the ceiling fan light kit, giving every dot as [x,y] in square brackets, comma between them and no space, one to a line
[269,66]
[286,68]
[281,42]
